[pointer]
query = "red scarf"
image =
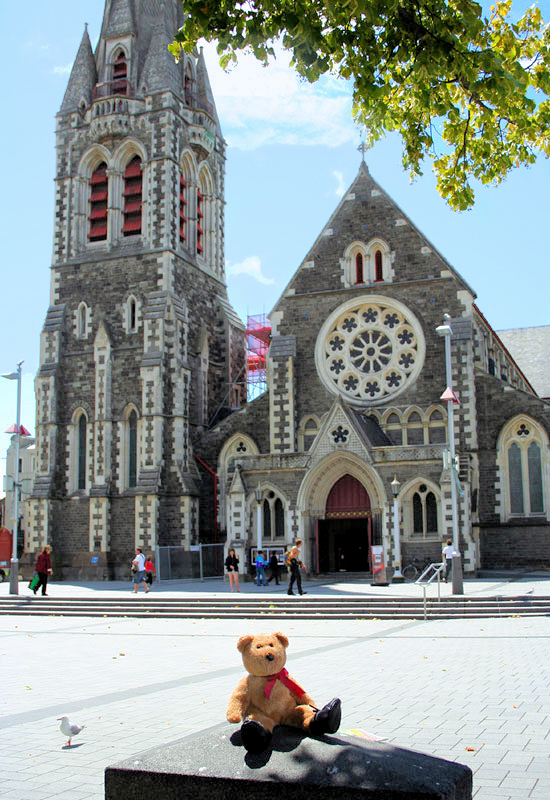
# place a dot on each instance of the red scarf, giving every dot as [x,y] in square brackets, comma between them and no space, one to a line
[283,677]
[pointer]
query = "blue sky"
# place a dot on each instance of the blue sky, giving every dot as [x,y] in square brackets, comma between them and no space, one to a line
[292,153]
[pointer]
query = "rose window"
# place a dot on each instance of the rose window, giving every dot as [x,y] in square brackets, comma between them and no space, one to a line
[369,350]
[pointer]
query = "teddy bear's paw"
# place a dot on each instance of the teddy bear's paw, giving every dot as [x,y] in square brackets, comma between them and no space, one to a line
[255,737]
[327,720]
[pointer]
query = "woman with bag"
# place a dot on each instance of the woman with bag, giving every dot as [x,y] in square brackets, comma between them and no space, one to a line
[43,567]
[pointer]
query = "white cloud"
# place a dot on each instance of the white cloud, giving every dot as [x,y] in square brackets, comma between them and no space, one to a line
[340,188]
[63,70]
[272,105]
[250,266]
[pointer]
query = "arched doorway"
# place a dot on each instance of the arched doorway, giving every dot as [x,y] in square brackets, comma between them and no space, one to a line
[345,534]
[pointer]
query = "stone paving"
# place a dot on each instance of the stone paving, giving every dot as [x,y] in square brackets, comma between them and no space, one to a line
[473,691]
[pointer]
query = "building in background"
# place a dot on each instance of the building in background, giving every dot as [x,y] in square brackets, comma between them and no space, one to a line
[143,433]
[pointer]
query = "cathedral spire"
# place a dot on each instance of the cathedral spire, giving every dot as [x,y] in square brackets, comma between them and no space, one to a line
[160,71]
[83,77]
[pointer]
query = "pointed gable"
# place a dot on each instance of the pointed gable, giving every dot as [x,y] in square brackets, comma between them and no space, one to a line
[83,77]
[368,222]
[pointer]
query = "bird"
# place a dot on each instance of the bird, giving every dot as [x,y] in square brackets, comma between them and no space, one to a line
[67,729]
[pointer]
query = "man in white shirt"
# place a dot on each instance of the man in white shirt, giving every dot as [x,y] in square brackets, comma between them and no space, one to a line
[139,574]
[448,553]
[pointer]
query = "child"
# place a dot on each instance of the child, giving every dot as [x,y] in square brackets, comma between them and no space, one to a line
[149,569]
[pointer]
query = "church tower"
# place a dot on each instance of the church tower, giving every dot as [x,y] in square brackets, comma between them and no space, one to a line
[140,350]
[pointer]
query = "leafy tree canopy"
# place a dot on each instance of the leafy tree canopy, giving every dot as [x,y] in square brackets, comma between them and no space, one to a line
[470,92]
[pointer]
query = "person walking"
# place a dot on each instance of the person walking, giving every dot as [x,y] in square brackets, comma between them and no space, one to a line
[295,566]
[149,569]
[139,572]
[274,567]
[447,555]
[232,567]
[43,567]
[260,569]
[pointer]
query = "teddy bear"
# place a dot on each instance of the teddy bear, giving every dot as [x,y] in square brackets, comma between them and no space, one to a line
[269,696]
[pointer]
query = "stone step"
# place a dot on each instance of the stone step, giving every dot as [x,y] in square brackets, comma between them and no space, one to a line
[253,608]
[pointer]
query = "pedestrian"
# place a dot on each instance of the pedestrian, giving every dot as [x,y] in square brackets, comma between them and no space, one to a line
[139,572]
[260,569]
[274,567]
[295,565]
[43,567]
[232,567]
[447,554]
[149,569]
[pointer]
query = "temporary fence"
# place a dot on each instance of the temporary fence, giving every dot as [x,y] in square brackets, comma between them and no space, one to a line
[198,562]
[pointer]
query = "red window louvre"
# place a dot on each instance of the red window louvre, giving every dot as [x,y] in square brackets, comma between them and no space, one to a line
[379,275]
[183,203]
[120,73]
[358,268]
[199,217]
[98,204]
[132,198]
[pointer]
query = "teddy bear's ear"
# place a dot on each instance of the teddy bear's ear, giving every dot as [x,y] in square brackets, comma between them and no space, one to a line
[243,642]
[282,638]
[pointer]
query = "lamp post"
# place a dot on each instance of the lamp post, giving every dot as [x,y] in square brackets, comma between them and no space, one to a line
[14,564]
[397,576]
[446,332]
[259,497]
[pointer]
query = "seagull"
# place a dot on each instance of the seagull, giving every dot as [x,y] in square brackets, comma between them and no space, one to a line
[69,730]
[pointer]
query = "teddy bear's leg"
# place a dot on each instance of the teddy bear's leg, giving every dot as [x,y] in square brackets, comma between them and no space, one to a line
[327,720]
[257,732]
[299,717]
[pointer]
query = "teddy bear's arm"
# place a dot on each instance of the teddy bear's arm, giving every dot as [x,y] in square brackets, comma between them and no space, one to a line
[307,700]
[238,702]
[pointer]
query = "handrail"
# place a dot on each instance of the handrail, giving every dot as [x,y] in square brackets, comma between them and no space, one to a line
[436,568]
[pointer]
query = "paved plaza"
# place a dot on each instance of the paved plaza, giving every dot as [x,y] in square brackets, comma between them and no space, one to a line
[473,691]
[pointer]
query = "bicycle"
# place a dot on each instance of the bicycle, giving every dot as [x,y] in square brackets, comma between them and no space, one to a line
[417,567]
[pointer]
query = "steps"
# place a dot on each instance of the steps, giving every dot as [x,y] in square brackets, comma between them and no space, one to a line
[343,607]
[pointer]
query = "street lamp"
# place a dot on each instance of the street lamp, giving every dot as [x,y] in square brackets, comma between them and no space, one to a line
[259,497]
[14,564]
[397,576]
[446,332]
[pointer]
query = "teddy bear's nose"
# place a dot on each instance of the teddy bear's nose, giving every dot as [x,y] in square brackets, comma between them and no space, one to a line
[270,656]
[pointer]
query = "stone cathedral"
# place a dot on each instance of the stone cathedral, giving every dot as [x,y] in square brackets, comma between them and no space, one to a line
[144,435]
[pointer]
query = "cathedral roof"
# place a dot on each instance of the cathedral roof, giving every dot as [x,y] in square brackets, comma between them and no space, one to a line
[83,76]
[160,70]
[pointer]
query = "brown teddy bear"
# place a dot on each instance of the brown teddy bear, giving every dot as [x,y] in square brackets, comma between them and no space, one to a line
[269,696]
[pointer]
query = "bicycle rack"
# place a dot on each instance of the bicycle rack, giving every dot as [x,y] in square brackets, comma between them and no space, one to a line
[433,571]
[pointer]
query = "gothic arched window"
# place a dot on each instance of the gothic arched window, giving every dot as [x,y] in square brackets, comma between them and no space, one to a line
[120,74]
[200,222]
[521,455]
[132,449]
[81,448]
[182,208]
[273,516]
[82,321]
[133,184]
[424,512]
[378,269]
[359,268]
[98,204]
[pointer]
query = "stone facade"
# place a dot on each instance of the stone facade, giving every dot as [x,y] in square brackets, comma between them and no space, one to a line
[355,383]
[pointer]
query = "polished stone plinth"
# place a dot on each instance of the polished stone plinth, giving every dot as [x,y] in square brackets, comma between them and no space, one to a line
[214,766]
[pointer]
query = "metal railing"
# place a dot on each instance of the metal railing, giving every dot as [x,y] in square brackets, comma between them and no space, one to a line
[197,562]
[427,577]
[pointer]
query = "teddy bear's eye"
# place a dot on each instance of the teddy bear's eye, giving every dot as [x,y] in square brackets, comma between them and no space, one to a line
[259,646]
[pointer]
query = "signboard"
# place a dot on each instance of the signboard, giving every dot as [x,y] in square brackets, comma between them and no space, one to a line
[378,567]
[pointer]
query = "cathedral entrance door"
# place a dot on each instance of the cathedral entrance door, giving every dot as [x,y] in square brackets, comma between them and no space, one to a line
[345,535]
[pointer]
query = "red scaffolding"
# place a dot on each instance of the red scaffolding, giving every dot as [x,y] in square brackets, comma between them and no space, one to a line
[258,336]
